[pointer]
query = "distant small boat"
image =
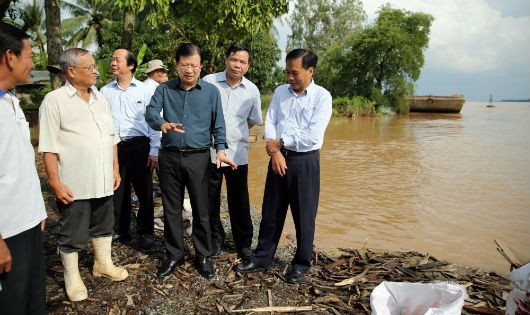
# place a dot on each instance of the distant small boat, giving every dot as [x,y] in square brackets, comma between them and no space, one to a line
[490,103]
[436,104]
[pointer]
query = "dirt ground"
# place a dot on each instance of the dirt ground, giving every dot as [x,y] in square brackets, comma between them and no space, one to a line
[340,282]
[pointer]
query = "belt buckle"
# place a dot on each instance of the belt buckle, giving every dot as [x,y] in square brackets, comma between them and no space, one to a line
[185,153]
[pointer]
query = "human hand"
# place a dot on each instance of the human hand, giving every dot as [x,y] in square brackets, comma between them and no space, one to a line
[5,257]
[152,162]
[173,127]
[272,146]
[278,164]
[222,158]
[63,194]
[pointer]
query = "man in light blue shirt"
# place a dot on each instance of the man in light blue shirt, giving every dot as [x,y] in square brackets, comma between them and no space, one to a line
[242,111]
[294,128]
[137,150]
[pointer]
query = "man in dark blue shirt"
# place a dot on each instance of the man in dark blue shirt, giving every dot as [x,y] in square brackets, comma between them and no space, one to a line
[192,118]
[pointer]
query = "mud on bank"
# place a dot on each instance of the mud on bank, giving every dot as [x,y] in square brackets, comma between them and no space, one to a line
[340,281]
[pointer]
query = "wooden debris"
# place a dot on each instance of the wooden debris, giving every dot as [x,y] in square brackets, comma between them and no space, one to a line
[277,309]
[514,259]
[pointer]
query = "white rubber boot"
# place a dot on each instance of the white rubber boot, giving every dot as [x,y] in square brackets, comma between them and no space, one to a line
[103,265]
[75,288]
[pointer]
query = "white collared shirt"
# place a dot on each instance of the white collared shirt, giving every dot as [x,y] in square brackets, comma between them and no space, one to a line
[300,120]
[127,107]
[21,203]
[83,136]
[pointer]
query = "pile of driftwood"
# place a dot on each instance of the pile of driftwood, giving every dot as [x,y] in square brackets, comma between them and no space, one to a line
[342,284]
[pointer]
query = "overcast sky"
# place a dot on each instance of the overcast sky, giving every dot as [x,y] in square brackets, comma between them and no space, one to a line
[476,47]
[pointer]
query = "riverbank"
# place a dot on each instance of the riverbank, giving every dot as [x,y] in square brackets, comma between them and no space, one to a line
[340,281]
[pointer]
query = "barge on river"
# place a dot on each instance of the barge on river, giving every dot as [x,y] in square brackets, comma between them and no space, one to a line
[436,104]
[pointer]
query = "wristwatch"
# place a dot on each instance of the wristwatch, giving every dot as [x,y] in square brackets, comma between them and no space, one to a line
[282,144]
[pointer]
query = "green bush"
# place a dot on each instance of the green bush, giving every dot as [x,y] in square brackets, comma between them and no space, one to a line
[353,106]
[37,95]
[265,102]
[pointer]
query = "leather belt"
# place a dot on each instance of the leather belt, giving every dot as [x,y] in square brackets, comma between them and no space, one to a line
[185,152]
[286,152]
[132,140]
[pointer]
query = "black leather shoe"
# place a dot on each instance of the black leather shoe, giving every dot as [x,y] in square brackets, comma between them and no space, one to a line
[168,267]
[249,267]
[294,276]
[145,241]
[245,254]
[204,267]
[217,247]
[121,237]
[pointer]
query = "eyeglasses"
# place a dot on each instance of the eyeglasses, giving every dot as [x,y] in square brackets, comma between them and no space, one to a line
[186,66]
[89,68]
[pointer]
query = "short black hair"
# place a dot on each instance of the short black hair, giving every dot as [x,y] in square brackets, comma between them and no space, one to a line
[238,47]
[187,49]
[11,38]
[309,58]
[131,58]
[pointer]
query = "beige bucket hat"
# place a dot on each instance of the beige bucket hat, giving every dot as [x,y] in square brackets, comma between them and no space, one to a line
[155,64]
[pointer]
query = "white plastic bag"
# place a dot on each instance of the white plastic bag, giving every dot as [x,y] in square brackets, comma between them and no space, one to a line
[518,301]
[403,298]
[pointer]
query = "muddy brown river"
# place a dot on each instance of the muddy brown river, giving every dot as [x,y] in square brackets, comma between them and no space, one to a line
[443,184]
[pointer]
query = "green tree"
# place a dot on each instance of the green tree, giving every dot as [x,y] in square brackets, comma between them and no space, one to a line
[214,27]
[154,11]
[89,18]
[30,18]
[5,7]
[322,26]
[316,24]
[53,35]
[264,70]
[385,59]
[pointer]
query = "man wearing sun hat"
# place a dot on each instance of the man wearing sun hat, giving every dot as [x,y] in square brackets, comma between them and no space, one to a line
[157,73]
[56,69]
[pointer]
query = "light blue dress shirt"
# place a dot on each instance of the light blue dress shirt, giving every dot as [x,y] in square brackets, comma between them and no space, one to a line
[127,107]
[300,120]
[241,107]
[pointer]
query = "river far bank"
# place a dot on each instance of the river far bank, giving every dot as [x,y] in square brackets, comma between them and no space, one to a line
[339,282]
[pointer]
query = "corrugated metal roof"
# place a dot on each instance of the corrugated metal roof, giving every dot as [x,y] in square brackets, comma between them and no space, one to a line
[39,75]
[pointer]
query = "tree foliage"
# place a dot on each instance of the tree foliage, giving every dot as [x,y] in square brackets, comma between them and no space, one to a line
[154,11]
[317,24]
[378,61]
[29,17]
[89,18]
[53,35]
[386,58]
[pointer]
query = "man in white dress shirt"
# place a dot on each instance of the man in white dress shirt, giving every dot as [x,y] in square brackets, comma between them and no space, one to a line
[137,150]
[22,211]
[294,128]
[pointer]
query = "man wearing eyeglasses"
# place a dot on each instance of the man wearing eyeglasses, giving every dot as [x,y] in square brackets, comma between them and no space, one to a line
[192,122]
[137,150]
[78,139]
